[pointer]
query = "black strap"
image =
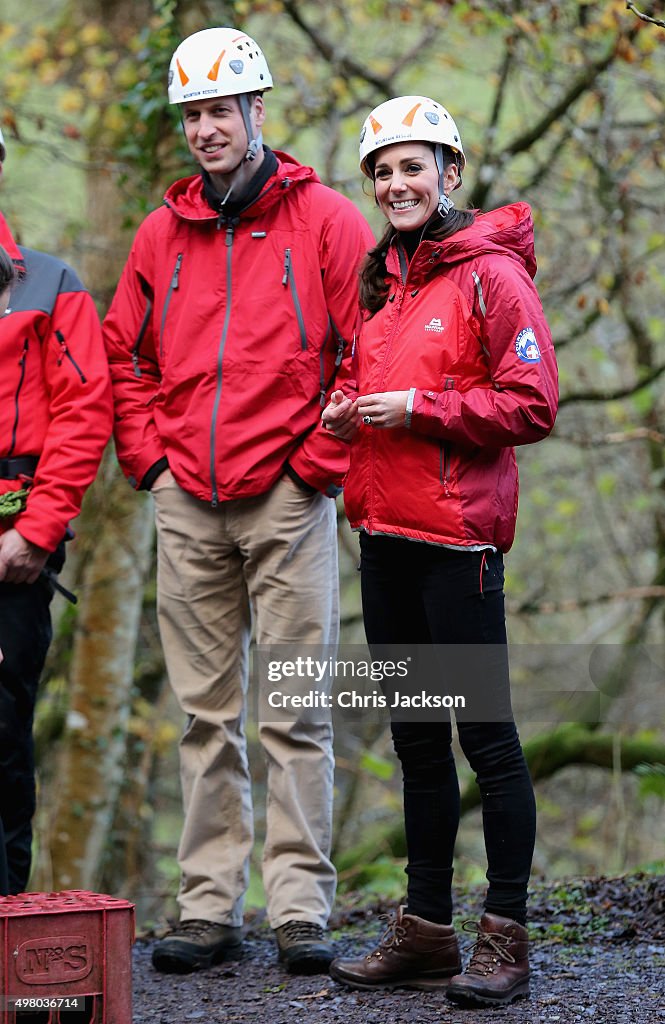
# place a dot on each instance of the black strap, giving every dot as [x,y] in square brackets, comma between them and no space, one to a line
[21,465]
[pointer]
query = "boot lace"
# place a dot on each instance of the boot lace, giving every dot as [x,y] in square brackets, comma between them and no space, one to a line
[195,928]
[391,937]
[302,931]
[488,949]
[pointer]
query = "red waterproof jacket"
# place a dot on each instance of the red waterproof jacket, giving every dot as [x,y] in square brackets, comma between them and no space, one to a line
[224,340]
[55,392]
[464,332]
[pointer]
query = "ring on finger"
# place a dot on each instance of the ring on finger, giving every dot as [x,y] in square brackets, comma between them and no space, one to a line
[367,420]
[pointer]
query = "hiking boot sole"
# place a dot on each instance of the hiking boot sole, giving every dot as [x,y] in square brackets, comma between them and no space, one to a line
[432,984]
[465,998]
[185,962]
[306,963]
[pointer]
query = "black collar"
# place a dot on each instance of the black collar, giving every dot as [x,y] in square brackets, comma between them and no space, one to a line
[237,203]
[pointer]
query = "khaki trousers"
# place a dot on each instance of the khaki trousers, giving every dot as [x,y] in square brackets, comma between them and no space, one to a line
[271,562]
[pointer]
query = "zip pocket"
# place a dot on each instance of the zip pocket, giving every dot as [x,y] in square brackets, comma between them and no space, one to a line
[445,461]
[22,361]
[324,386]
[173,287]
[66,354]
[288,280]
[136,347]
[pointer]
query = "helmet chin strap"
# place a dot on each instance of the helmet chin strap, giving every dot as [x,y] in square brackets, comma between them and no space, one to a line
[445,203]
[254,142]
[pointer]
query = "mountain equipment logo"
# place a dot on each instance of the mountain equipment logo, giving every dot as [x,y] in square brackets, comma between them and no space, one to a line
[526,346]
[435,325]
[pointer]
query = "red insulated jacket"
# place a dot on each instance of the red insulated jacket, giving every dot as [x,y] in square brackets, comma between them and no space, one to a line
[224,339]
[464,332]
[55,392]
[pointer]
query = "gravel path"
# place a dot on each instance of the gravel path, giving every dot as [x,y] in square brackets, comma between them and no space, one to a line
[598,956]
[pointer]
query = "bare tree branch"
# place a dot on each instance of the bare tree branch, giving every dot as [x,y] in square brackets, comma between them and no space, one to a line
[349,67]
[577,604]
[637,434]
[526,140]
[644,17]
[613,396]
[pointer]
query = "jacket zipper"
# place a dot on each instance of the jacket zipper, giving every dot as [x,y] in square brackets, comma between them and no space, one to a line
[444,466]
[289,279]
[167,302]
[373,435]
[22,361]
[220,353]
[66,354]
[324,384]
[445,449]
[136,348]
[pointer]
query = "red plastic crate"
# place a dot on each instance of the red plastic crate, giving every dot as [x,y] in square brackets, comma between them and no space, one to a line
[69,953]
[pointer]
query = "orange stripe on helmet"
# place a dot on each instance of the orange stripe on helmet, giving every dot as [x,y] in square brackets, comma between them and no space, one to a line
[375,125]
[214,70]
[408,120]
[183,77]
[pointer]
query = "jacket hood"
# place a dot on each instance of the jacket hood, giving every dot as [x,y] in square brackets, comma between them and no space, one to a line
[508,230]
[8,243]
[187,200]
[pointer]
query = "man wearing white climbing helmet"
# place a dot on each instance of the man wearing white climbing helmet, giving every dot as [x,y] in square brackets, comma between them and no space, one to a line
[230,326]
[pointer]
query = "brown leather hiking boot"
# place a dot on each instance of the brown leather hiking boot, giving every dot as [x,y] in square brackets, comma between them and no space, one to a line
[412,953]
[498,971]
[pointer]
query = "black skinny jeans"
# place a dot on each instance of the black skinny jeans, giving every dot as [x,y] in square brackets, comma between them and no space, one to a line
[422,594]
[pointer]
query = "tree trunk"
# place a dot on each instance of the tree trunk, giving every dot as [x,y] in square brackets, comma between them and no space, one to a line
[92,758]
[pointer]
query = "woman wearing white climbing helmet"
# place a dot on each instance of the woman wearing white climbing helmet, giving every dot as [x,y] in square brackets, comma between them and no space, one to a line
[454,366]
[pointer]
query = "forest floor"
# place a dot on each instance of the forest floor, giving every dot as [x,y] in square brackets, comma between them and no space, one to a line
[598,956]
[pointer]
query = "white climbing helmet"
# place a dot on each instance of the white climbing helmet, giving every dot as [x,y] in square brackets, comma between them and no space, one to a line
[408,119]
[217,62]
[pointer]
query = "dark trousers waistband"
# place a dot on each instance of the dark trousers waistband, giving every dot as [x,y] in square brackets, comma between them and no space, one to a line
[21,465]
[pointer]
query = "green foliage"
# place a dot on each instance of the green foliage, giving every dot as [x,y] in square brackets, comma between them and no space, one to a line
[83,97]
[378,767]
[652,780]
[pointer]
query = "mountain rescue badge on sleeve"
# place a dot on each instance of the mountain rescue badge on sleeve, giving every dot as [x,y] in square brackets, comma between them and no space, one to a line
[526,346]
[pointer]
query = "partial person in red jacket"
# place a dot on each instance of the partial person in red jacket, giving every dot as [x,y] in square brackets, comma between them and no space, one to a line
[231,324]
[55,421]
[455,366]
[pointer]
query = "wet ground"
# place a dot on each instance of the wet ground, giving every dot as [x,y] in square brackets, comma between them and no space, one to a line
[598,955]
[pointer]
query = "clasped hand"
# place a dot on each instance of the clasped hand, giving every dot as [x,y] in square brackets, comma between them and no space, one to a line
[343,416]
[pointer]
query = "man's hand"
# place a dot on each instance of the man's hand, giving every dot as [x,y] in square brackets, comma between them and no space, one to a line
[340,416]
[20,561]
[384,409]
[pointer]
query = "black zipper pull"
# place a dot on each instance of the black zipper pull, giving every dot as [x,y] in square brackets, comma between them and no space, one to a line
[287,267]
[63,347]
